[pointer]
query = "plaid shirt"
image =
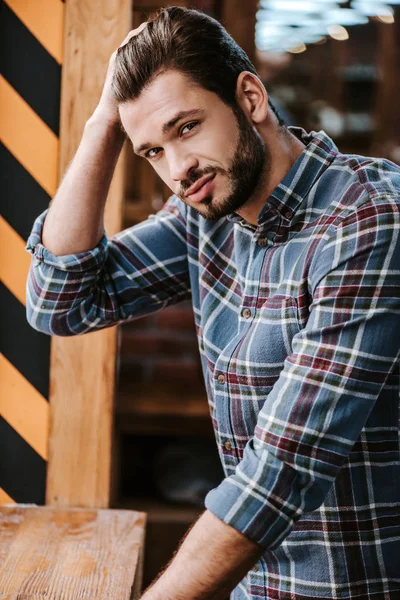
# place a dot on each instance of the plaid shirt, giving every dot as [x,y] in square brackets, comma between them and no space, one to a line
[298,323]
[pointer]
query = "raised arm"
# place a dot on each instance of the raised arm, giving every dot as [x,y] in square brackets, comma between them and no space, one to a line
[80,280]
[75,220]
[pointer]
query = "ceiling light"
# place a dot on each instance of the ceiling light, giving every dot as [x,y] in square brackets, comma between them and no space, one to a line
[286,18]
[345,16]
[291,24]
[297,49]
[337,32]
[377,2]
[309,6]
[385,18]
[373,9]
[294,45]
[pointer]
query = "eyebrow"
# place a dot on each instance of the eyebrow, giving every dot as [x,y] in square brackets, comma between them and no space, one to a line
[166,128]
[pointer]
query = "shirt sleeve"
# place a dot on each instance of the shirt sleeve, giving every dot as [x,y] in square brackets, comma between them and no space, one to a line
[339,363]
[136,272]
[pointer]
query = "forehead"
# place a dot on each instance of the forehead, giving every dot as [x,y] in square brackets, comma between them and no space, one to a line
[169,93]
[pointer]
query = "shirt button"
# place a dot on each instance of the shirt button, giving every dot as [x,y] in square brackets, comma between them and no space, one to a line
[262,242]
[228,446]
[221,378]
[256,568]
[289,214]
[246,313]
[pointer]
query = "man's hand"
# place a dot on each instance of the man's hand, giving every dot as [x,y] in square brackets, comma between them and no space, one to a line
[75,222]
[107,107]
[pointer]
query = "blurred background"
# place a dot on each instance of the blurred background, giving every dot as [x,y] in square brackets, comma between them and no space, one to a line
[326,65]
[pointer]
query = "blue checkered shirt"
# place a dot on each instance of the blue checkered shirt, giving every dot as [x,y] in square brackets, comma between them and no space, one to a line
[298,324]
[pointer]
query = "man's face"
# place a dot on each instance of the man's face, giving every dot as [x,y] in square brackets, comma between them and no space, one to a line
[209,156]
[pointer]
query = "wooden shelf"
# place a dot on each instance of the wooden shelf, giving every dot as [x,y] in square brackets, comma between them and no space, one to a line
[148,400]
[161,512]
[151,410]
[164,426]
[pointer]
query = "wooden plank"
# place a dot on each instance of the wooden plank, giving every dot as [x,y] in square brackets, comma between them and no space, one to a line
[70,553]
[82,370]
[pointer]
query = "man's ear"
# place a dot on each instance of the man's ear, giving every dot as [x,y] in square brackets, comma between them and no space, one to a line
[252,97]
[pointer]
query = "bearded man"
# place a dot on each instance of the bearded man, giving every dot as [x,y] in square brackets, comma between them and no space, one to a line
[290,253]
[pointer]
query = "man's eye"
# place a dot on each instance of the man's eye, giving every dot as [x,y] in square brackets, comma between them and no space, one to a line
[189,126]
[152,153]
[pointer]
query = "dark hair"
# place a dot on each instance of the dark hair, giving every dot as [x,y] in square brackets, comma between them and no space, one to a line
[186,40]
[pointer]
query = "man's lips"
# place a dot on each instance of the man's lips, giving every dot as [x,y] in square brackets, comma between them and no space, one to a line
[199,189]
[199,183]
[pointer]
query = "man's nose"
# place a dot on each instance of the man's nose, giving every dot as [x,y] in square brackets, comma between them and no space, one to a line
[180,165]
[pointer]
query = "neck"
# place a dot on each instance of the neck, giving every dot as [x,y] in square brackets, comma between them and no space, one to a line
[281,156]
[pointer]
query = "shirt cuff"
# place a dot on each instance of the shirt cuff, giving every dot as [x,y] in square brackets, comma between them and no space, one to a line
[79,262]
[243,500]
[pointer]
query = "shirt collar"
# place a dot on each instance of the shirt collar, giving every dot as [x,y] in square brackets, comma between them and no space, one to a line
[318,154]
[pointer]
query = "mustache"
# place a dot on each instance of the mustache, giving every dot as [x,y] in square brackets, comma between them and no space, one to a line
[195,175]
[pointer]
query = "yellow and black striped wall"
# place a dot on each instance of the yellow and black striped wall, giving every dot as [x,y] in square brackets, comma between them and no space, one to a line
[31,40]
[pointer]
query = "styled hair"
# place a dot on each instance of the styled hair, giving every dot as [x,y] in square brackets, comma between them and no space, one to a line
[188,41]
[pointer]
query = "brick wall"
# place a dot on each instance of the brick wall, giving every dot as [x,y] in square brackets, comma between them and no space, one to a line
[161,349]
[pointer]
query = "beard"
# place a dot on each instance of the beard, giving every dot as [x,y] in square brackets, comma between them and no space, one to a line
[249,164]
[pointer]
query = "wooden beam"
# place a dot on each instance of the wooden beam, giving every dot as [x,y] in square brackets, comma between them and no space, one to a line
[386,110]
[239,18]
[82,369]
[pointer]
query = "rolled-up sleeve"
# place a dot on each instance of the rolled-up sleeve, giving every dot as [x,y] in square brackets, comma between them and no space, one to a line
[340,361]
[138,271]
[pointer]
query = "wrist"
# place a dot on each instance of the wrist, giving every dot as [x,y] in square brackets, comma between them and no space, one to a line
[151,594]
[102,117]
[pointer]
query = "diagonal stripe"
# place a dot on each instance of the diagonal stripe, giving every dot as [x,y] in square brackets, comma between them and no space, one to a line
[28,413]
[39,82]
[5,498]
[45,20]
[14,261]
[22,198]
[25,347]
[28,138]
[22,470]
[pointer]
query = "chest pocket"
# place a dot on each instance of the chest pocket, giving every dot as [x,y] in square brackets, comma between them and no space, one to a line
[275,323]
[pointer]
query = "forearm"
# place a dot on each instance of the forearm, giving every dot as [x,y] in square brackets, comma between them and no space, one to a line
[75,221]
[211,561]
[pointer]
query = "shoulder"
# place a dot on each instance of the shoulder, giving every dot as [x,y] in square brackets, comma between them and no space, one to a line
[354,181]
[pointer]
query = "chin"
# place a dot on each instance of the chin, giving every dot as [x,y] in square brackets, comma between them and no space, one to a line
[213,209]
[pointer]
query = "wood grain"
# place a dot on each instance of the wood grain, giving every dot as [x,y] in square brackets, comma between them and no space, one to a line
[48,552]
[82,369]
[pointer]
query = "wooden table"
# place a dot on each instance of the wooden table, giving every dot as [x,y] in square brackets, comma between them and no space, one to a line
[70,553]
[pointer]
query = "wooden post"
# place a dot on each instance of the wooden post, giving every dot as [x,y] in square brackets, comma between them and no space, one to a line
[82,369]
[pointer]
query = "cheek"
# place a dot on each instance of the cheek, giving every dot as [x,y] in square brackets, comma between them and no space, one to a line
[222,147]
[163,173]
